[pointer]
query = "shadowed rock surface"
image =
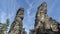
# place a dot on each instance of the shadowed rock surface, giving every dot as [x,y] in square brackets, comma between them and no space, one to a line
[43,23]
[17,25]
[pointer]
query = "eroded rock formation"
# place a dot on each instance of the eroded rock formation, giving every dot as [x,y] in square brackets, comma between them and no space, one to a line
[43,23]
[16,27]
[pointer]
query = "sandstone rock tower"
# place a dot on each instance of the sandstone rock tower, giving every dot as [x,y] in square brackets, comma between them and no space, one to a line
[41,17]
[43,23]
[16,27]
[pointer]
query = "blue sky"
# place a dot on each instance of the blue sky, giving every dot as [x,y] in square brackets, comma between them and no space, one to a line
[8,9]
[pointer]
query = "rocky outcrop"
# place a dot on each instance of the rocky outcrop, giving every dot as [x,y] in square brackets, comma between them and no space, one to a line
[43,23]
[16,27]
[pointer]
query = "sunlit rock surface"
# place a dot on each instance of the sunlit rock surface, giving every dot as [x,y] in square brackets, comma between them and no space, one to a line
[17,27]
[43,23]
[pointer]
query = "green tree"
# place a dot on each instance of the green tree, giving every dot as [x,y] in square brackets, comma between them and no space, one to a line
[4,27]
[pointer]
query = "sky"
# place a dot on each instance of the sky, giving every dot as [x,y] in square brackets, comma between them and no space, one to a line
[8,9]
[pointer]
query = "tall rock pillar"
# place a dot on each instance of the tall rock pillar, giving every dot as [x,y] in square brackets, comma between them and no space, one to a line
[41,18]
[16,27]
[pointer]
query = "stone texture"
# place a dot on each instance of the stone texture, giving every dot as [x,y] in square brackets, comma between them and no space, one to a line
[16,27]
[43,23]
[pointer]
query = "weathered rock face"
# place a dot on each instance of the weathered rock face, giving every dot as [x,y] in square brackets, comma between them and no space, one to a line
[43,23]
[16,27]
